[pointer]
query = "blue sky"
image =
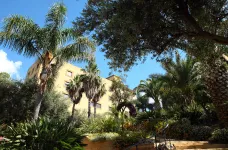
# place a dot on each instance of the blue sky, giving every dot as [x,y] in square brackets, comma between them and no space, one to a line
[17,65]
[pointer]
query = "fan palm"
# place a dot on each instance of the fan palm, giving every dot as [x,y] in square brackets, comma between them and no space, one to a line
[75,91]
[101,90]
[151,87]
[90,82]
[52,44]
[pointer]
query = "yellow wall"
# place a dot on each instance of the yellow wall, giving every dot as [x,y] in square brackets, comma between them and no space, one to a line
[34,70]
[60,86]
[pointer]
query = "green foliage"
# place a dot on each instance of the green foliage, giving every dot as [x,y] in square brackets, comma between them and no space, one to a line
[179,130]
[100,125]
[120,92]
[16,100]
[4,76]
[92,84]
[102,136]
[183,130]
[200,133]
[219,136]
[129,36]
[79,118]
[122,97]
[54,106]
[128,138]
[52,44]
[152,88]
[43,134]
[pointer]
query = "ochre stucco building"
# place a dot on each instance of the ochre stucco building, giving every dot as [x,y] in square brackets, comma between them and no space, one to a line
[65,74]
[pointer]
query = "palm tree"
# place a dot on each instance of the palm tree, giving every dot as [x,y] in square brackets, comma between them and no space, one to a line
[101,90]
[142,102]
[90,82]
[52,44]
[181,78]
[151,87]
[75,91]
[217,83]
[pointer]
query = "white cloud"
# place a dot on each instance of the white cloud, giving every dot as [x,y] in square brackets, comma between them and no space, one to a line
[9,66]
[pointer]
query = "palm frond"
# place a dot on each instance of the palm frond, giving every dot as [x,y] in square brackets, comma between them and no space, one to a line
[20,34]
[54,23]
[56,16]
[81,50]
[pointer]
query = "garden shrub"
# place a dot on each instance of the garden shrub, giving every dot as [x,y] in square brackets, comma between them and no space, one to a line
[43,134]
[200,133]
[102,136]
[54,106]
[100,125]
[219,136]
[179,130]
[192,116]
[128,138]
[183,130]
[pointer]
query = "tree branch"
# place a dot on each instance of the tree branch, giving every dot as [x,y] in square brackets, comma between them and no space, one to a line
[183,7]
[189,19]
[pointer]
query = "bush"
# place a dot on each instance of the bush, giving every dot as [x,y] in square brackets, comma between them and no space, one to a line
[102,136]
[179,130]
[54,106]
[128,138]
[183,130]
[200,133]
[79,118]
[219,136]
[100,125]
[43,134]
[16,100]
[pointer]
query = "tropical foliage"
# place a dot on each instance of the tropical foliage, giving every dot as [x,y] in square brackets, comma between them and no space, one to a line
[16,104]
[187,102]
[43,134]
[158,28]
[75,90]
[91,83]
[52,44]
[128,36]
[17,100]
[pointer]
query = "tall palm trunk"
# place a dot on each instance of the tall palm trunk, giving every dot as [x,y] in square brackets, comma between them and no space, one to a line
[95,109]
[42,85]
[89,108]
[73,111]
[38,103]
[217,83]
[39,97]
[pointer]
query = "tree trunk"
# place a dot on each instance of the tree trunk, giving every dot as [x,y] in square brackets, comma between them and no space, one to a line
[73,110]
[38,103]
[89,108]
[95,108]
[217,83]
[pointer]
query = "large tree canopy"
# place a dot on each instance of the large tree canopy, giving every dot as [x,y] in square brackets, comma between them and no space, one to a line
[132,29]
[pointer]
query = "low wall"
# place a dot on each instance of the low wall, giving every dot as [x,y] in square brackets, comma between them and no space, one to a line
[108,145]
[98,145]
